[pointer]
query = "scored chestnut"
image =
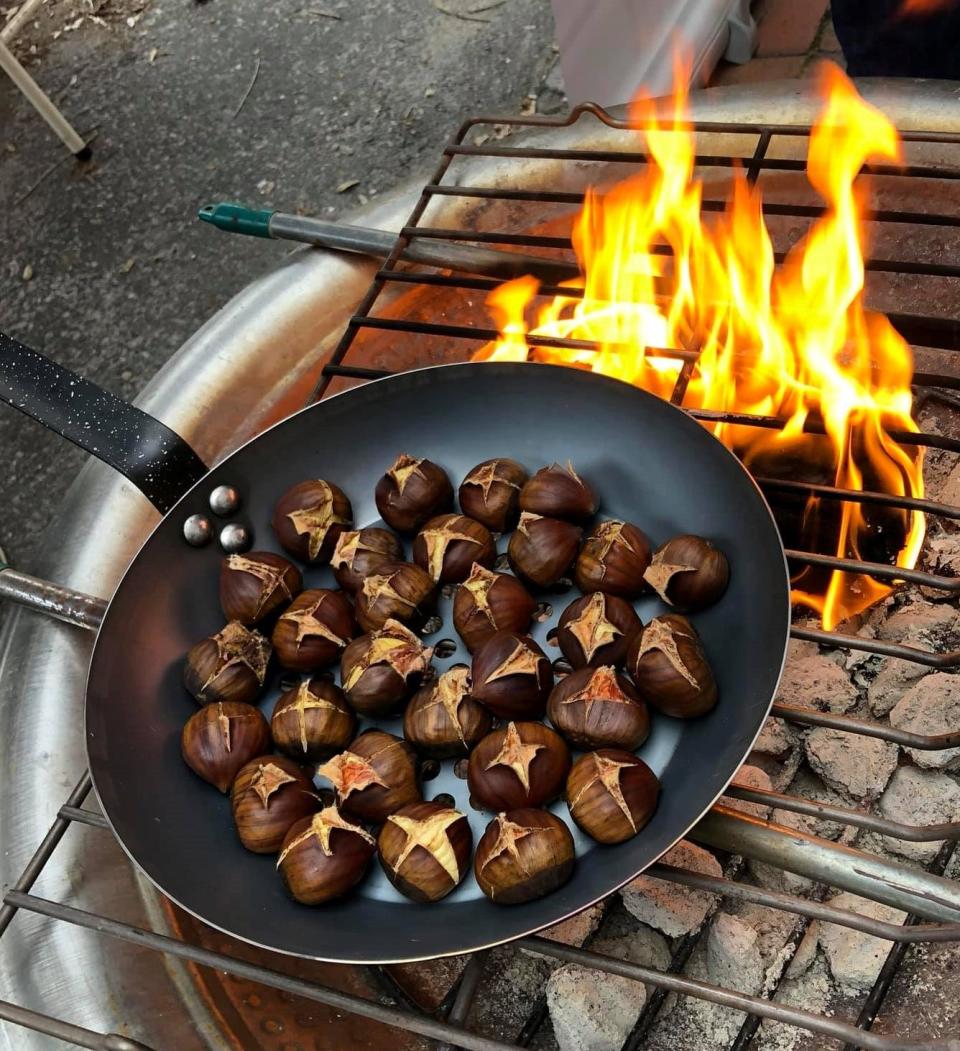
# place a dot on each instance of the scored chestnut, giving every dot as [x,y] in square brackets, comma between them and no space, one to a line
[542,549]
[669,666]
[523,854]
[558,492]
[443,719]
[425,850]
[613,559]
[221,738]
[268,796]
[374,777]
[254,585]
[360,552]
[512,676]
[228,666]
[488,602]
[381,670]
[521,764]
[611,794]
[412,492]
[313,630]
[688,573]
[448,546]
[324,856]
[396,591]
[491,493]
[309,518]
[597,629]
[313,721]
[597,708]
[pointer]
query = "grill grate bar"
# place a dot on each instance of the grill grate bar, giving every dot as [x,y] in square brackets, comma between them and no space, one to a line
[68,1032]
[876,569]
[851,724]
[838,640]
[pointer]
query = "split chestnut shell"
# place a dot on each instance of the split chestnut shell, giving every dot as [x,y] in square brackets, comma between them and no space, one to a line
[324,856]
[597,629]
[425,850]
[689,573]
[597,708]
[411,492]
[309,518]
[269,795]
[613,559]
[611,794]
[443,719]
[228,666]
[220,738]
[374,778]
[521,764]
[523,854]
[360,552]
[669,666]
[490,493]
[541,550]
[254,585]
[379,671]
[395,591]
[449,545]
[313,630]
[313,721]
[558,492]
[512,676]
[488,602]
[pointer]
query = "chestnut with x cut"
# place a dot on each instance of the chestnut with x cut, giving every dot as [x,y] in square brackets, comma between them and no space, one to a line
[425,850]
[520,765]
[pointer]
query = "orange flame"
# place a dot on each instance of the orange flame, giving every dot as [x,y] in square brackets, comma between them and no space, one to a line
[795,342]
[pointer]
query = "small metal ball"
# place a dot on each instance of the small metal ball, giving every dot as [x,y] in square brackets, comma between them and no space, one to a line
[197,531]
[235,538]
[224,500]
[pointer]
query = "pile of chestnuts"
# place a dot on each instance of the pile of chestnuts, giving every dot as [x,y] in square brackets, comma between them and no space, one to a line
[527,729]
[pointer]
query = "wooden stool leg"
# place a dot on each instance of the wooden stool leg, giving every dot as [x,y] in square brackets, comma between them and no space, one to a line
[41,103]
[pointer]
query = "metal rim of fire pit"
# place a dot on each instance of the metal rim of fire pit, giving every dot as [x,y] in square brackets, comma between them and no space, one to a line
[74,812]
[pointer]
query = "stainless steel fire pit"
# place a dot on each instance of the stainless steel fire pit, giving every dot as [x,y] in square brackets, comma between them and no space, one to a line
[78,959]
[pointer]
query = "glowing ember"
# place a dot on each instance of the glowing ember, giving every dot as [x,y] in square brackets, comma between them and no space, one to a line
[794,342]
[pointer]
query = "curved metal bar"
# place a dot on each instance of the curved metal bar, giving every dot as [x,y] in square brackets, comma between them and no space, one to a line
[949,659]
[73,1034]
[849,724]
[73,607]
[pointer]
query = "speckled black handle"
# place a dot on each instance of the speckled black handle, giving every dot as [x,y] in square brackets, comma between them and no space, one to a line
[157,460]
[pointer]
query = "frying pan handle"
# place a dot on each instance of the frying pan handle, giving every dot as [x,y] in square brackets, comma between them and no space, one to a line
[156,459]
[73,607]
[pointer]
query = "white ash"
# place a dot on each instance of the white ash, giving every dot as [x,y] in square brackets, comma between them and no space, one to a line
[931,706]
[591,1010]
[643,946]
[750,777]
[668,907]
[856,766]
[776,738]
[733,954]
[812,991]
[950,489]
[574,931]
[797,649]
[817,682]
[772,927]
[930,621]
[895,677]
[806,951]
[855,958]
[943,556]
[919,797]
[810,787]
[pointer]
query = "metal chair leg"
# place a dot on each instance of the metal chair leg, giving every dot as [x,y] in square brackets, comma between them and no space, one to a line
[42,104]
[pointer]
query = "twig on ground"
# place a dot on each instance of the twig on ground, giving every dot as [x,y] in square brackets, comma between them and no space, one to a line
[87,139]
[462,15]
[246,94]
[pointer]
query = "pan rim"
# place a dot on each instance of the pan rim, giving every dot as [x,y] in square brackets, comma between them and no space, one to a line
[420,957]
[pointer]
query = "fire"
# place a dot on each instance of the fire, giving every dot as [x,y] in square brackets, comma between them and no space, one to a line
[794,341]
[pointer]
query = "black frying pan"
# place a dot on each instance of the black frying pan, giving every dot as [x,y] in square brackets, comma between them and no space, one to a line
[648,461]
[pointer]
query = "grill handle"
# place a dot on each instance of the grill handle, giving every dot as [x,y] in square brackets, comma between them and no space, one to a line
[156,459]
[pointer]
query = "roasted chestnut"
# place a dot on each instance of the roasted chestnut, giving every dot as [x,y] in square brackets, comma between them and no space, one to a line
[309,518]
[597,629]
[491,493]
[324,856]
[448,546]
[523,854]
[313,721]
[381,670]
[488,602]
[396,591]
[541,549]
[597,708]
[611,794]
[375,777]
[228,666]
[412,492]
[253,586]
[613,559]
[443,719]
[521,764]
[269,795]
[220,738]
[558,492]
[512,676]
[688,573]
[670,668]
[313,630]
[425,850]
[360,552]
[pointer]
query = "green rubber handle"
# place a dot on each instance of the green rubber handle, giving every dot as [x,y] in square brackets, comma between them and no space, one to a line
[237,219]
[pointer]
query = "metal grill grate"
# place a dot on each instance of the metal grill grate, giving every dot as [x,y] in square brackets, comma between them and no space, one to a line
[942,916]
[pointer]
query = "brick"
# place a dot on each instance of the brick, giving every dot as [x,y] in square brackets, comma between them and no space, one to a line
[789,27]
